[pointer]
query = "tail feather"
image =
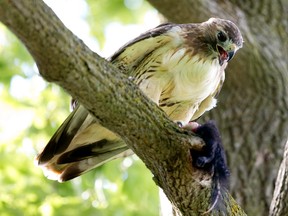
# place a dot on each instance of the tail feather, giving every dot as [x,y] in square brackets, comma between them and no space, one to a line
[63,136]
[83,166]
[96,149]
[68,171]
[79,145]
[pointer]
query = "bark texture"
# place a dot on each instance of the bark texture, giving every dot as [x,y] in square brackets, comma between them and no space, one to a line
[115,102]
[280,199]
[252,106]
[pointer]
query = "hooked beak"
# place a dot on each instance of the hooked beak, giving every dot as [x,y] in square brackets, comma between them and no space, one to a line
[224,55]
[230,54]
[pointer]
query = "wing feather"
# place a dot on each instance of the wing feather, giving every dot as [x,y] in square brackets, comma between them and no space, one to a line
[131,54]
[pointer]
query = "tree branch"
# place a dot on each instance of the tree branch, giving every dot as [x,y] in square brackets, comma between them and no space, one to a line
[115,102]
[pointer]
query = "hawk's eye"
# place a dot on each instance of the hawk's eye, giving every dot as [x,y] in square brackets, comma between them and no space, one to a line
[221,36]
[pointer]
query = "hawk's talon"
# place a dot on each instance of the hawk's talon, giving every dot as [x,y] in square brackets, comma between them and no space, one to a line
[200,162]
[192,126]
[179,123]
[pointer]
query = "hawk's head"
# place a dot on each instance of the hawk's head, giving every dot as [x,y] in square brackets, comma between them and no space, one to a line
[215,38]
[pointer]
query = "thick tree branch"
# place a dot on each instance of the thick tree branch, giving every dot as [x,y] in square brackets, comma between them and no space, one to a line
[113,100]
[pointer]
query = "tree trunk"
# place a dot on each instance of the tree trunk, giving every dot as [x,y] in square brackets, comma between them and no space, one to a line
[252,106]
[280,199]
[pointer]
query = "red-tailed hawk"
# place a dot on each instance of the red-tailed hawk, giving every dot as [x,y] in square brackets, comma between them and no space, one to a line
[178,66]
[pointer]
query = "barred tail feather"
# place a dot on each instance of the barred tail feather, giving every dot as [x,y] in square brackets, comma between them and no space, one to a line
[67,171]
[79,145]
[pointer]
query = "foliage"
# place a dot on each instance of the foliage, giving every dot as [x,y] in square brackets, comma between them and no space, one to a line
[30,112]
[114,10]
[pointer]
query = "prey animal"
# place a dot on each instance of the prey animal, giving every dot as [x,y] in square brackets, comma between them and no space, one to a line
[180,67]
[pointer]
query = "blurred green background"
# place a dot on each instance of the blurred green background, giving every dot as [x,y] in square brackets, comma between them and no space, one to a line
[31,110]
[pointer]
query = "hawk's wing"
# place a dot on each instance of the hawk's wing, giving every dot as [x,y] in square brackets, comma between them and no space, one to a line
[135,51]
[81,144]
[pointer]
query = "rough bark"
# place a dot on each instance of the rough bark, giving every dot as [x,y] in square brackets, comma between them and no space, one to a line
[280,199]
[252,106]
[115,102]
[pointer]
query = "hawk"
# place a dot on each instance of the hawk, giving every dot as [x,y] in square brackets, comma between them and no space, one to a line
[180,67]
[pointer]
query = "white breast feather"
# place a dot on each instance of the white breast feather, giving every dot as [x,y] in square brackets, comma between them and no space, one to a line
[182,78]
[194,79]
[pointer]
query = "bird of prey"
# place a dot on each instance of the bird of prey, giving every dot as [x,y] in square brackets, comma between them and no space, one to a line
[180,67]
